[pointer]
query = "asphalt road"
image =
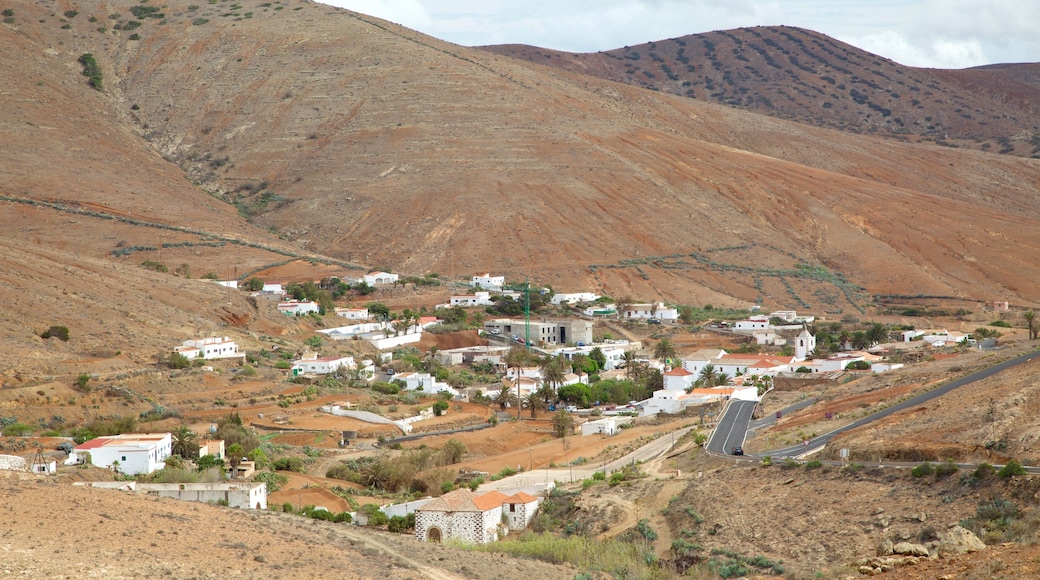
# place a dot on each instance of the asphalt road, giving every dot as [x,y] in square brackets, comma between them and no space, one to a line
[732,428]
[818,442]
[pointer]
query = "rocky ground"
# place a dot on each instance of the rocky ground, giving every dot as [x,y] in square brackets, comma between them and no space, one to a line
[51,529]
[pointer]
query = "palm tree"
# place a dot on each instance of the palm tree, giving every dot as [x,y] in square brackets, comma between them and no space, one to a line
[506,397]
[708,377]
[534,402]
[553,371]
[185,443]
[1032,324]
[516,358]
[546,393]
[664,350]
[876,333]
[629,358]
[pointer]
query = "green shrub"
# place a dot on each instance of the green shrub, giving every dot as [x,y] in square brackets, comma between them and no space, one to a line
[946,469]
[815,463]
[1011,468]
[91,70]
[274,481]
[983,471]
[440,407]
[59,332]
[401,524]
[599,476]
[289,464]
[923,470]
[18,430]
[153,265]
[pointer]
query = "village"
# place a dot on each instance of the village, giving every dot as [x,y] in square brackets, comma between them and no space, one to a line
[369,421]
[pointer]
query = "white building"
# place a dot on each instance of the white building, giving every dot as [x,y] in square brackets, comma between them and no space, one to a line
[804,345]
[574,297]
[133,453]
[760,322]
[883,367]
[678,379]
[297,307]
[380,278]
[214,347]
[424,382]
[470,300]
[600,310]
[604,426]
[311,364]
[696,362]
[479,519]
[236,495]
[488,281]
[655,310]
[753,364]
[353,313]
[228,283]
[272,289]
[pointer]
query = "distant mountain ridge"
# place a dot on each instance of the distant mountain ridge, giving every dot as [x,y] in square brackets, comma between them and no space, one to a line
[809,77]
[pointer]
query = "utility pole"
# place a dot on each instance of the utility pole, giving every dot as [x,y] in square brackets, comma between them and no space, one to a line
[527,313]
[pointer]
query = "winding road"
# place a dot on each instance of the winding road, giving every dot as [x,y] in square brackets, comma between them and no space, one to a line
[734,424]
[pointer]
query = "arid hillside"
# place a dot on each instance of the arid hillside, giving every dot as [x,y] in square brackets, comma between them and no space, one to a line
[799,74]
[307,130]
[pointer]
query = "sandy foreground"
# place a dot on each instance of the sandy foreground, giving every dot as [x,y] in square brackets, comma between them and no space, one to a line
[50,529]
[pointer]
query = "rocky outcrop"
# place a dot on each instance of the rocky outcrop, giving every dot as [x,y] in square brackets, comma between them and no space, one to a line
[908,549]
[957,540]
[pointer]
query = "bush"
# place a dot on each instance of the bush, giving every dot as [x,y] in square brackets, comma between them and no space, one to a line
[18,430]
[1011,468]
[274,481]
[813,464]
[922,470]
[402,524]
[945,469]
[376,517]
[59,332]
[289,464]
[91,70]
[983,471]
[440,407]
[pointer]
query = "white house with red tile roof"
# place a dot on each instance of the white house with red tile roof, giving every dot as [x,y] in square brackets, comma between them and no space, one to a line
[678,379]
[214,347]
[520,509]
[753,364]
[134,453]
[696,362]
[298,307]
[475,518]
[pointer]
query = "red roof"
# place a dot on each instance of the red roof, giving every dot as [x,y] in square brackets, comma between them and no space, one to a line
[490,500]
[521,497]
[677,372]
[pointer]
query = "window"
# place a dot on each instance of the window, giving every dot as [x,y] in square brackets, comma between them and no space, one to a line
[123,458]
[512,507]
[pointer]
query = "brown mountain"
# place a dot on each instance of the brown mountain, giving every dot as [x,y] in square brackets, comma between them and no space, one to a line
[248,135]
[799,74]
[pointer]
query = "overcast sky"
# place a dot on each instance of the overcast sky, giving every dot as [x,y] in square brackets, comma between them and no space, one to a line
[925,33]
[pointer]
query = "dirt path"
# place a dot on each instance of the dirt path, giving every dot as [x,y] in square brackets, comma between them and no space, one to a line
[381,544]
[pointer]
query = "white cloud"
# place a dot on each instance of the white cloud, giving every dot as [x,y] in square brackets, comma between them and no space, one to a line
[933,33]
